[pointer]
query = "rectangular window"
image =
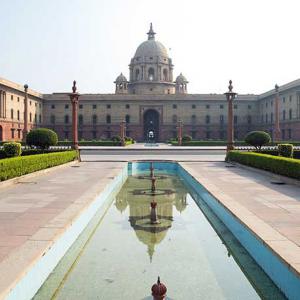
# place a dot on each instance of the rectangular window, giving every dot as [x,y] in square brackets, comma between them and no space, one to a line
[80,106]
[174,106]
[52,106]
[235,119]
[66,106]
[12,133]
[66,135]
[94,106]
[108,106]
[249,107]
[291,98]
[193,106]
[207,106]
[19,133]
[94,134]
[221,119]
[40,118]
[208,134]
[235,106]
[12,97]
[221,106]
[127,106]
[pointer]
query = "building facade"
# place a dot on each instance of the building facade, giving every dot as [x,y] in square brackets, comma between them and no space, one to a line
[151,100]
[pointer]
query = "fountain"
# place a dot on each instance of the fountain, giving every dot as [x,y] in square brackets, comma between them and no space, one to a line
[151,170]
[153,187]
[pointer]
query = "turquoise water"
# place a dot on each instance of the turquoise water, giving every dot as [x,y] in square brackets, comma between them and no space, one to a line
[121,255]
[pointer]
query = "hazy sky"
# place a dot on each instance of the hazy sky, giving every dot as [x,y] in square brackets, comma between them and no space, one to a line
[48,43]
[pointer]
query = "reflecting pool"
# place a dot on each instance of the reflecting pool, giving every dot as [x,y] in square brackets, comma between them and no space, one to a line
[120,255]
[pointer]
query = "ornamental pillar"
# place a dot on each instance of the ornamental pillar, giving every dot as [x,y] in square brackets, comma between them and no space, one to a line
[74,97]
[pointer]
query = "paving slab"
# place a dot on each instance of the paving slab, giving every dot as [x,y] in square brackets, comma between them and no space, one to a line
[270,211]
[33,216]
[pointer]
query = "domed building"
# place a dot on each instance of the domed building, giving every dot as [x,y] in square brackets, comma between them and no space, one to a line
[150,101]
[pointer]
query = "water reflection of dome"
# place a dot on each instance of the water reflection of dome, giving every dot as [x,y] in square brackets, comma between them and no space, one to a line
[181,203]
[121,204]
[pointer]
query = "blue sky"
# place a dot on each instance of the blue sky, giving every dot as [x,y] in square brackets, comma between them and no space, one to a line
[48,43]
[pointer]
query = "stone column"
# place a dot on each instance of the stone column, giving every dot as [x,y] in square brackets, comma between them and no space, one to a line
[230,95]
[122,132]
[25,130]
[74,97]
[180,133]
[277,125]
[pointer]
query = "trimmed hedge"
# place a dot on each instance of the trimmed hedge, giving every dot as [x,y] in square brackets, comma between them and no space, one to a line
[279,165]
[296,153]
[206,143]
[18,166]
[42,138]
[12,149]
[286,150]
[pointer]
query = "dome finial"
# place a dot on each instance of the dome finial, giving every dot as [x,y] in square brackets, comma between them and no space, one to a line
[151,33]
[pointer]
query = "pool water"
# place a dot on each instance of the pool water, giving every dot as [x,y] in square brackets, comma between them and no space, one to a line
[120,255]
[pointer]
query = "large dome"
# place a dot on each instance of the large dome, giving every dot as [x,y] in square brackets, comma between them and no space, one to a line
[151,48]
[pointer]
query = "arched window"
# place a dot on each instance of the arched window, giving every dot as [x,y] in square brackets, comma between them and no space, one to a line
[18,115]
[52,119]
[151,74]
[194,119]
[66,119]
[127,119]
[12,114]
[290,114]
[80,119]
[108,119]
[165,75]
[207,119]
[94,119]
[174,119]
[137,74]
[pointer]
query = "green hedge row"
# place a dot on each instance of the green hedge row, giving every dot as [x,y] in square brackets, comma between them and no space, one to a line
[93,143]
[18,166]
[296,153]
[207,143]
[279,165]
[29,151]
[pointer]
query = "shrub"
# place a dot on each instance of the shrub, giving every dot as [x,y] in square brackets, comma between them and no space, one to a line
[285,150]
[12,149]
[116,138]
[42,138]
[186,138]
[18,166]
[257,139]
[280,165]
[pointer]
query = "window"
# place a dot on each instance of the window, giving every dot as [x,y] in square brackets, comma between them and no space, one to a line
[174,106]
[127,106]
[137,74]
[127,119]
[19,133]
[35,118]
[207,106]
[266,104]
[12,97]
[18,99]
[52,119]
[30,103]
[18,115]
[66,119]
[94,119]
[30,117]
[235,106]
[194,119]
[291,98]
[174,119]
[108,119]
[222,135]
[283,99]
[193,134]
[80,106]
[80,120]
[108,106]
[221,119]
[94,106]
[165,75]
[151,74]
[271,118]
[208,134]
[66,106]
[12,114]
[221,106]
[249,120]
[40,118]
[193,106]
[290,133]
[290,114]
[35,104]
[207,119]
[283,115]
[94,134]
[12,133]
[266,118]
[66,135]
[283,134]
[271,103]
[235,119]
[52,106]
[249,106]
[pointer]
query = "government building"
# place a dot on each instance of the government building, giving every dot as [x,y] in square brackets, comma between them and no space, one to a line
[152,99]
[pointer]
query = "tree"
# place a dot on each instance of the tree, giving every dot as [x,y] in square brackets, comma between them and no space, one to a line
[41,138]
[257,139]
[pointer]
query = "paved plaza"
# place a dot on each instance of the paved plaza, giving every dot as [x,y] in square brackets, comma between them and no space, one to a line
[36,210]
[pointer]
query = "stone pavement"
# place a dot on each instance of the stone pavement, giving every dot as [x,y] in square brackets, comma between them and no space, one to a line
[37,210]
[271,211]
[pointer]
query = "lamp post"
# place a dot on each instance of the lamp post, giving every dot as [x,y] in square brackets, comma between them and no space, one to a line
[122,132]
[230,95]
[179,133]
[277,125]
[25,130]
[74,97]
